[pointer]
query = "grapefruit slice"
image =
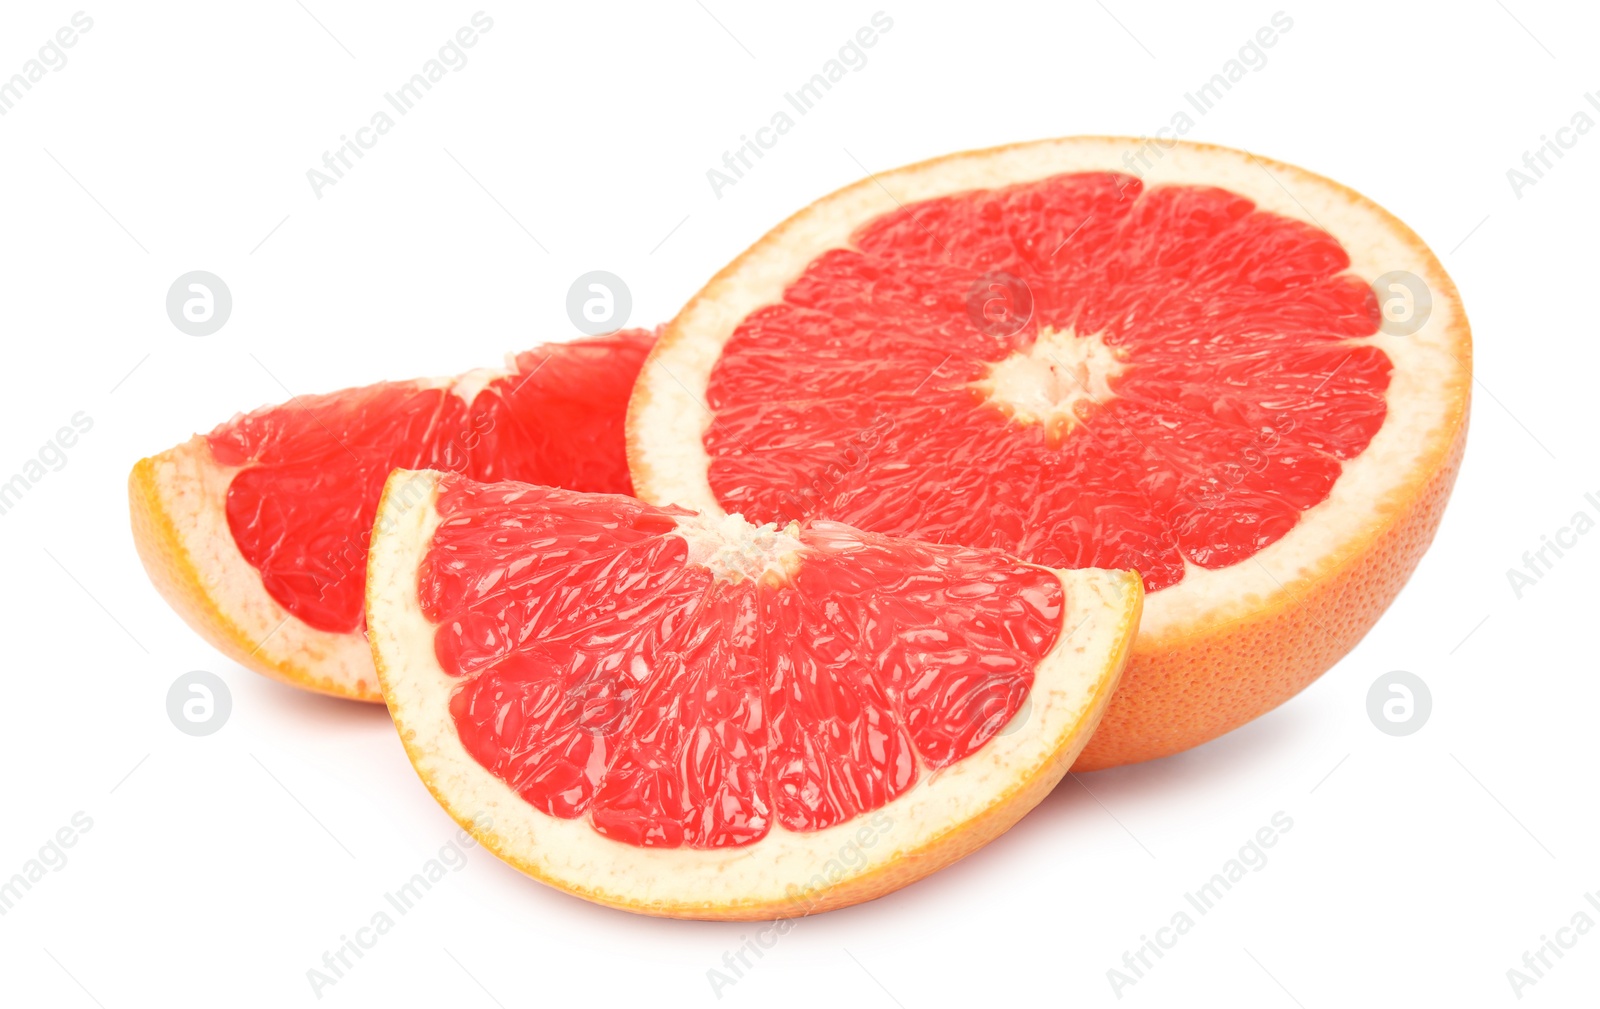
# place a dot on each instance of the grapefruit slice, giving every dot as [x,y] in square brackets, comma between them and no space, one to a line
[1186,371]
[257,532]
[696,717]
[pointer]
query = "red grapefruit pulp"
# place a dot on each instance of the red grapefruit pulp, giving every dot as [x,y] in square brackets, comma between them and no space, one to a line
[625,690]
[257,532]
[1175,382]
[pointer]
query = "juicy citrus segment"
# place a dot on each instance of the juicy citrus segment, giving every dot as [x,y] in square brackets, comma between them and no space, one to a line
[1089,353]
[257,533]
[606,671]
[311,470]
[1089,374]
[627,691]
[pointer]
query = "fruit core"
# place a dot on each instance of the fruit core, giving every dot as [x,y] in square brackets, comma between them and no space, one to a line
[1054,382]
[732,549]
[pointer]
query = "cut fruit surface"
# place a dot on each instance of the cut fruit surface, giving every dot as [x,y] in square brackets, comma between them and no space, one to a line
[693,716]
[257,533]
[1093,352]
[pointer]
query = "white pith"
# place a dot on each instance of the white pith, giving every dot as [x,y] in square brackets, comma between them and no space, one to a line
[193,489]
[1053,380]
[468,384]
[667,418]
[734,550]
[786,870]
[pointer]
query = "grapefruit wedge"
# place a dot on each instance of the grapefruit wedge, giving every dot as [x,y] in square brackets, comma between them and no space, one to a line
[1239,378]
[696,717]
[257,532]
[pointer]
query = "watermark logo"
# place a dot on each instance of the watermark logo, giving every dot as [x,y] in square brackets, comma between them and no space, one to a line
[1537,162]
[1538,962]
[50,458]
[1022,717]
[603,704]
[1399,703]
[1000,304]
[850,58]
[1250,858]
[450,58]
[1404,302]
[52,57]
[199,703]
[1216,489]
[737,961]
[199,303]
[51,857]
[599,302]
[451,857]
[1552,548]
[832,473]
[1250,58]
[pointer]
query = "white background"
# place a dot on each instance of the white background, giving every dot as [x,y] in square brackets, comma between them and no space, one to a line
[219,869]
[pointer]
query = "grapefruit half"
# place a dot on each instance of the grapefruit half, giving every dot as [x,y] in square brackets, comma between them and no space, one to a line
[1243,380]
[257,532]
[693,716]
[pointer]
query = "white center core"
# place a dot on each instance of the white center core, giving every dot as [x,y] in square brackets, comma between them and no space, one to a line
[1055,381]
[468,384]
[733,549]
